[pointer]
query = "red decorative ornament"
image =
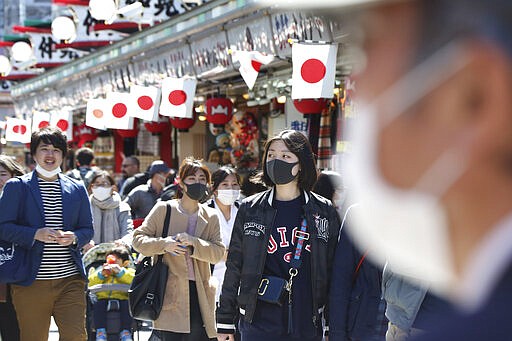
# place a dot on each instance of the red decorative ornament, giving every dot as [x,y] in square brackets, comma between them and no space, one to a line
[219,110]
[182,124]
[156,127]
[85,134]
[311,105]
[129,133]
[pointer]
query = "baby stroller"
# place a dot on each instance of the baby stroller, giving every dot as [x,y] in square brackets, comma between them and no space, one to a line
[93,259]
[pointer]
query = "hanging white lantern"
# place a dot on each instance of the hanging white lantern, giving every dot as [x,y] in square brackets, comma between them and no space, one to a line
[64,28]
[21,51]
[134,10]
[102,9]
[5,65]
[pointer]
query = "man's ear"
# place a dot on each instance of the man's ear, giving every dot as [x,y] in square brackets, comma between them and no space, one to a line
[487,101]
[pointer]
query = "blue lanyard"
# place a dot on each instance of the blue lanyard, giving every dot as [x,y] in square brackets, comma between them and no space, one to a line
[301,236]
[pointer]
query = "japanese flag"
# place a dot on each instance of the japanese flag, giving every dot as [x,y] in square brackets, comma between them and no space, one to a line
[250,64]
[146,102]
[314,68]
[40,119]
[119,111]
[178,97]
[18,130]
[95,113]
[63,119]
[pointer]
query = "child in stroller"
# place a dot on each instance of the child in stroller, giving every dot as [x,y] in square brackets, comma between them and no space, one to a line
[109,280]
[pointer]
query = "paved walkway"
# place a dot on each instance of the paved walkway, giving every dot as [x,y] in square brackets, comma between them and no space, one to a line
[54,334]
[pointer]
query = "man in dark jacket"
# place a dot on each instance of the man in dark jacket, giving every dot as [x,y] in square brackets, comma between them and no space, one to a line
[356,307]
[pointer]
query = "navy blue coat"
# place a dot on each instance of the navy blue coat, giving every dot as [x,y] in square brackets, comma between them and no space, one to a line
[490,323]
[354,299]
[22,213]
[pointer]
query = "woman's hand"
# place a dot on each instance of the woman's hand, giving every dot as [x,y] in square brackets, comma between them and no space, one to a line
[224,337]
[174,247]
[185,239]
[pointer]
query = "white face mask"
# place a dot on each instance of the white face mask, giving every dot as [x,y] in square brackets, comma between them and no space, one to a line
[101,193]
[46,173]
[406,228]
[228,196]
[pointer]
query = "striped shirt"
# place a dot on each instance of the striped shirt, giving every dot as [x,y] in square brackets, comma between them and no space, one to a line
[57,261]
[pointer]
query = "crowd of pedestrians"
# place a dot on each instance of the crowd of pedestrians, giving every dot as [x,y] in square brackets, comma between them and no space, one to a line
[419,249]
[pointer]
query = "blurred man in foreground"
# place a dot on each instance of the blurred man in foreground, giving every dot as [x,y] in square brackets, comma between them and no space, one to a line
[432,156]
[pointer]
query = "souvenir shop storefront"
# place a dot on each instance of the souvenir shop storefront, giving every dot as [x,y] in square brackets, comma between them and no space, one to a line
[196,94]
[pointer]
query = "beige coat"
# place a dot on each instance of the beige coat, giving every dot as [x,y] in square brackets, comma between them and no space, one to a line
[207,248]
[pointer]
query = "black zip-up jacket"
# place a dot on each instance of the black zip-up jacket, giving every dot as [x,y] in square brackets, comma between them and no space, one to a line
[248,251]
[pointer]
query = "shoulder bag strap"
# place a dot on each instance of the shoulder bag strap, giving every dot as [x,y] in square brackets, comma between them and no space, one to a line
[165,230]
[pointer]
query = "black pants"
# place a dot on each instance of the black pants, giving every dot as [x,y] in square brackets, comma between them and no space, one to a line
[197,331]
[100,314]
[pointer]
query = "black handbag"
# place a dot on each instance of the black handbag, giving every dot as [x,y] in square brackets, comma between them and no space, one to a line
[147,291]
[273,289]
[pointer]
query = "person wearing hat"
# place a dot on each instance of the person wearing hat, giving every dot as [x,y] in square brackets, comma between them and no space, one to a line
[431,151]
[143,197]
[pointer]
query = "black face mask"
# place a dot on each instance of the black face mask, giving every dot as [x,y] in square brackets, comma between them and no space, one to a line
[280,172]
[197,191]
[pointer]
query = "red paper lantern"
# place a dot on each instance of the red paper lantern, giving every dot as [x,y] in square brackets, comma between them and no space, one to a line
[156,127]
[311,105]
[129,133]
[84,134]
[182,124]
[219,110]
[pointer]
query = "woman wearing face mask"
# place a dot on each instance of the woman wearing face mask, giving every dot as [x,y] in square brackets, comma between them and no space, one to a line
[193,243]
[9,329]
[226,191]
[112,219]
[285,233]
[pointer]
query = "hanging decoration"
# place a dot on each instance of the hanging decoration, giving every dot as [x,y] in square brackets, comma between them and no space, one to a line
[129,133]
[95,113]
[156,127]
[311,106]
[147,99]
[219,110]
[18,130]
[85,134]
[178,97]
[250,64]
[183,124]
[314,69]
[40,119]
[63,120]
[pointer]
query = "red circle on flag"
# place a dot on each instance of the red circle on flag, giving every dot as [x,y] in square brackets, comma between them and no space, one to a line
[43,124]
[177,97]
[97,113]
[19,129]
[63,125]
[313,70]
[145,102]
[119,110]
[256,65]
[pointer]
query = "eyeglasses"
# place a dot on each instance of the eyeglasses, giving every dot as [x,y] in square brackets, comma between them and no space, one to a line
[102,184]
[129,165]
